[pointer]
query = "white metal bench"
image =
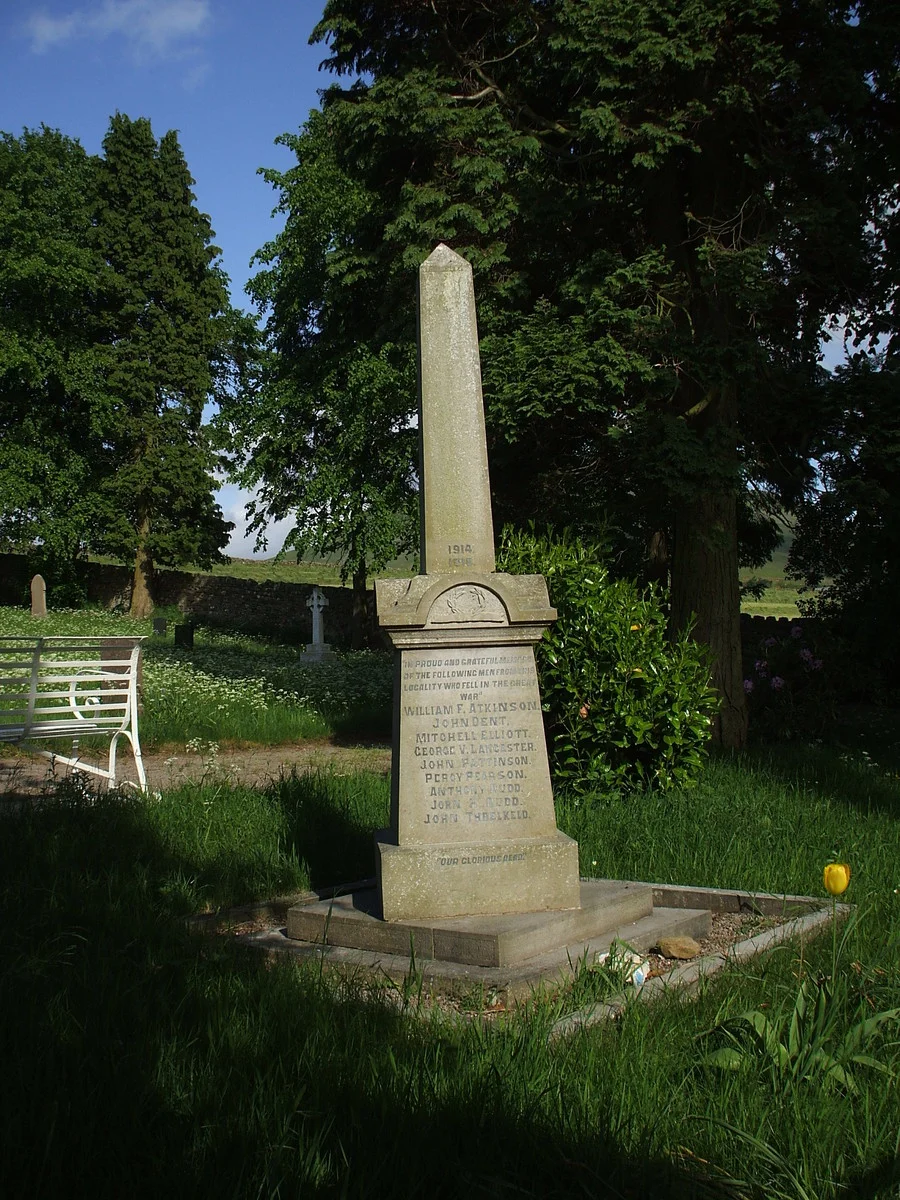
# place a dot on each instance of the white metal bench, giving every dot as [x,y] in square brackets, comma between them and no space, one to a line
[72,687]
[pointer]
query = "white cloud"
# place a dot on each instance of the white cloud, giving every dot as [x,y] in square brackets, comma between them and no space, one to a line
[149,26]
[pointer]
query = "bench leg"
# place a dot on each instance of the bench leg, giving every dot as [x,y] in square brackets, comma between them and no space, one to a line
[138,761]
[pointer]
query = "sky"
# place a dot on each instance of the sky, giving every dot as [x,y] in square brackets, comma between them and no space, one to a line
[229,75]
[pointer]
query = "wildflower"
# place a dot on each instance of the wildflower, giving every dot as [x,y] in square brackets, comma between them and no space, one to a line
[634,627]
[762,667]
[776,682]
[797,631]
[836,877]
[806,654]
[770,642]
[748,686]
[816,665]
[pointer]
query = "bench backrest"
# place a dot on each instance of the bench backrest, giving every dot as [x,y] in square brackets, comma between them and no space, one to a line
[48,680]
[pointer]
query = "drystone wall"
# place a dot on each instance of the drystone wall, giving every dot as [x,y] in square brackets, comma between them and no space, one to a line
[220,601]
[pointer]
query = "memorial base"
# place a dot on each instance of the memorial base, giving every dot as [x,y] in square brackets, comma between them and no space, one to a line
[469,879]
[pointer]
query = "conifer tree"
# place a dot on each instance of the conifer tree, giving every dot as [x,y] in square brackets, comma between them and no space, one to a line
[54,407]
[165,308]
[665,204]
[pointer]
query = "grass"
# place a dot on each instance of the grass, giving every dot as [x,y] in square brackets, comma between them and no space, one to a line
[143,1060]
[232,688]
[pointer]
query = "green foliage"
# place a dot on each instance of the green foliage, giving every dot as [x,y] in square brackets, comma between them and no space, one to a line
[847,545]
[664,206]
[627,705]
[810,1044]
[324,435]
[54,402]
[790,688]
[115,331]
[163,298]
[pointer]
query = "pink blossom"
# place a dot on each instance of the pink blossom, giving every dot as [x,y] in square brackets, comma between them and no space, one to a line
[777,683]
[748,686]
[762,667]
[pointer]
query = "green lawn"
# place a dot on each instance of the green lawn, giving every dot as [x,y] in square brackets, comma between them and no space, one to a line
[142,1059]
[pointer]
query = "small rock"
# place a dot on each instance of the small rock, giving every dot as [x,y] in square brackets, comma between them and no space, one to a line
[678,947]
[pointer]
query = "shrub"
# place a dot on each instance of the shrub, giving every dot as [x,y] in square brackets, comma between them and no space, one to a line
[789,688]
[625,706]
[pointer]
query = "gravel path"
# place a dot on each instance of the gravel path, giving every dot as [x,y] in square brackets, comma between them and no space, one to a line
[27,775]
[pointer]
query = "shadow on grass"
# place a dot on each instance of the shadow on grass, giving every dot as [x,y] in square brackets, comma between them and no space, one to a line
[142,1060]
[858,767]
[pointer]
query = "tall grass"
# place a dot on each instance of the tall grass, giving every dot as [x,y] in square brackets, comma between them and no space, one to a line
[142,1060]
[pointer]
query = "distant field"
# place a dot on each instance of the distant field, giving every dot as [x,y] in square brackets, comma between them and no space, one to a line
[286,570]
[780,598]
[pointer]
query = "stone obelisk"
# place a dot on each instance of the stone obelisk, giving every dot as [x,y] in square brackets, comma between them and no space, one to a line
[473,829]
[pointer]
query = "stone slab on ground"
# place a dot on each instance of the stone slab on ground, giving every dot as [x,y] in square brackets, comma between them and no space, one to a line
[513,983]
[354,921]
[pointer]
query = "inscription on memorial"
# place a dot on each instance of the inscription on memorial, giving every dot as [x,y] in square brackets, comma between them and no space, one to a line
[473,739]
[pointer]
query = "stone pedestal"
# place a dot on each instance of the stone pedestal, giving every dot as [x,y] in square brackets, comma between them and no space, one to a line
[473,829]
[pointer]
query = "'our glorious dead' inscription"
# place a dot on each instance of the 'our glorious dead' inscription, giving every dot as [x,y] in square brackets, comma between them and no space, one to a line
[472,747]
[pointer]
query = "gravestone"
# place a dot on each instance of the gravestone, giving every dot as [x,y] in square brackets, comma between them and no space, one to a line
[318,648]
[38,596]
[473,829]
[184,637]
[160,625]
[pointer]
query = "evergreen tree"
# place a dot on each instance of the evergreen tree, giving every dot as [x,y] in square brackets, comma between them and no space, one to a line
[664,205]
[166,313]
[54,408]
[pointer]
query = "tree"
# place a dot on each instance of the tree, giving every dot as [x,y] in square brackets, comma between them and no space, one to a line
[847,539]
[664,206]
[54,406]
[325,434]
[165,312]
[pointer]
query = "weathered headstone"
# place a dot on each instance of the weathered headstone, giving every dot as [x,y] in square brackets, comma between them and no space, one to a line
[184,637]
[317,602]
[38,596]
[160,625]
[473,829]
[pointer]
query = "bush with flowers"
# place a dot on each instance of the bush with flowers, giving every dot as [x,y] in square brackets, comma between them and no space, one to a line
[789,691]
[625,705]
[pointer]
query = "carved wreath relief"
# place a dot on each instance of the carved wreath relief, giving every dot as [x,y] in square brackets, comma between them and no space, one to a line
[466,604]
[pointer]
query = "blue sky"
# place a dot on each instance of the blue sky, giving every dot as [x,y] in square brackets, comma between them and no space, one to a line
[229,75]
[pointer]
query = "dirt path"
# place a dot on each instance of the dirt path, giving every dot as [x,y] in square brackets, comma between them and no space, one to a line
[27,775]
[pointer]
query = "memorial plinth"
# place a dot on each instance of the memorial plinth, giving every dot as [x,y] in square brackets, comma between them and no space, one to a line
[473,828]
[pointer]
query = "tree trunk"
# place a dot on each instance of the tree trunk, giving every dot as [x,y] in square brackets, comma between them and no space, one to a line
[705,585]
[141,598]
[360,617]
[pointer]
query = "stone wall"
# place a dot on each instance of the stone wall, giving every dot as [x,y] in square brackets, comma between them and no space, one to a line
[220,601]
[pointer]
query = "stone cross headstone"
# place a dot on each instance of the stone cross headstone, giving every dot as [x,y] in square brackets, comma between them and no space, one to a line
[473,829]
[317,602]
[38,596]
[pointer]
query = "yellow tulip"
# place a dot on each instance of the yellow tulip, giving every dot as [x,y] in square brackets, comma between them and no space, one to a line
[836,877]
